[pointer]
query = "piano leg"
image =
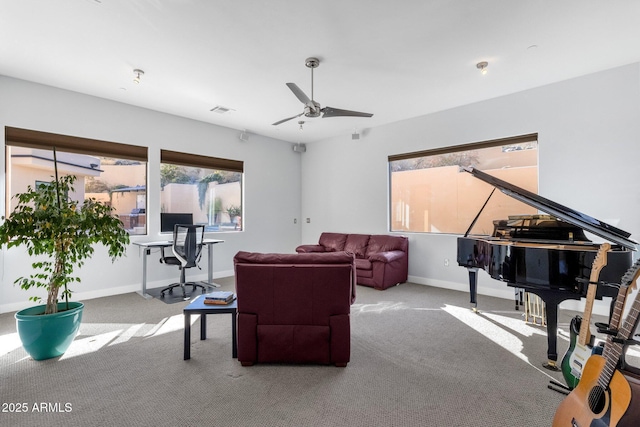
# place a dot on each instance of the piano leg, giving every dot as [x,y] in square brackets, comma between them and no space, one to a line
[551,301]
[551,311]
[473,288]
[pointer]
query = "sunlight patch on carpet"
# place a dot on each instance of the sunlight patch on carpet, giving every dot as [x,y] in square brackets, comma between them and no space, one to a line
[89,344]
[94,336]
[169,324]
[378,307]
[495,333]
[127,334]
[516,325]
[9,342]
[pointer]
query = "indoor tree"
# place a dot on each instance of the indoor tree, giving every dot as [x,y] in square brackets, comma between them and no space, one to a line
[63,231]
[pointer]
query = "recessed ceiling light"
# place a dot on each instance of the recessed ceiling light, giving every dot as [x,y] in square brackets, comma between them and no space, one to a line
[137,75]
[482,66]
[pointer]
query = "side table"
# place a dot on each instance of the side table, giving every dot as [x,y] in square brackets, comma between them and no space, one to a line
[197,306]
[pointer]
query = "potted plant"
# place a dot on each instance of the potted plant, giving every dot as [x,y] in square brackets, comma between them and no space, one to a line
[59,233]
[234,211]
[234,216]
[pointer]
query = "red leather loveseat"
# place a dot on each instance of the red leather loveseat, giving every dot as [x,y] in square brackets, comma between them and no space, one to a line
[382,261]
[294,308]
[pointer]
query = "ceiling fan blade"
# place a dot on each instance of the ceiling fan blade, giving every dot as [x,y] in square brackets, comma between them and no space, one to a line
[336,112]
[286,120]
[299,93]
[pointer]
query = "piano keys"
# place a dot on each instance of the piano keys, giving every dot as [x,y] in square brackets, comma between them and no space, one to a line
[547,254]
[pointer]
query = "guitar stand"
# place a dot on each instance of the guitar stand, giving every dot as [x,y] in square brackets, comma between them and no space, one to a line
[625,342]
[603,328]
[560,388]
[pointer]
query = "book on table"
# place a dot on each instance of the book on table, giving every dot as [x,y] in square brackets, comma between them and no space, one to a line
[217,302]
[219,297]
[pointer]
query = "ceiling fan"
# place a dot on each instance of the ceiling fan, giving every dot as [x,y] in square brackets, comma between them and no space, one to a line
[311,107]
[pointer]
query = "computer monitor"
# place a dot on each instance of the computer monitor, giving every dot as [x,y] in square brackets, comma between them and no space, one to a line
[169,220]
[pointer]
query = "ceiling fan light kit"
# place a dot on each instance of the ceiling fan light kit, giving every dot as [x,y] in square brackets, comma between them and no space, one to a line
[311,107]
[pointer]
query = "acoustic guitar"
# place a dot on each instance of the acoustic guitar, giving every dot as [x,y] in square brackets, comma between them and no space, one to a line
[581,340]
[603,395]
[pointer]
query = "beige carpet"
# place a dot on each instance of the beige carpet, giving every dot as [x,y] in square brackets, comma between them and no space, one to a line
[419,357]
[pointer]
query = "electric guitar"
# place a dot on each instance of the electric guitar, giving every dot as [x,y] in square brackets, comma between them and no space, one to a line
[581,349]
[603,395]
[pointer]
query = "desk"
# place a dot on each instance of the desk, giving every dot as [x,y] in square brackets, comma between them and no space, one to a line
[147,246]
[197,306]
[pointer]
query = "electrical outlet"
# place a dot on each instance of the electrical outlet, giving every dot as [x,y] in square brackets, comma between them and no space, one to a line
[295,220]
[308,220]
[446,262]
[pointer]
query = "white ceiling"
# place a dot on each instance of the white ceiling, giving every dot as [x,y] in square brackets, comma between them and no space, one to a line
[396,59]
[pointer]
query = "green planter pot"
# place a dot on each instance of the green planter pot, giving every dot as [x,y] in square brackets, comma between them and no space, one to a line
[46,336]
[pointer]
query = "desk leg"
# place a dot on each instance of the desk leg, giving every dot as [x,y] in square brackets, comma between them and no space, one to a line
[143,293]
[203,326]
[187,336]
[234,337]
[210,267]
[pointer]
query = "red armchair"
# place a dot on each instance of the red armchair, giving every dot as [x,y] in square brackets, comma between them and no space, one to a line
[294,308]
[382,261]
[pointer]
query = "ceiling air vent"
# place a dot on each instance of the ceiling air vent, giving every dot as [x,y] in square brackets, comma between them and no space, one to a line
[220,109]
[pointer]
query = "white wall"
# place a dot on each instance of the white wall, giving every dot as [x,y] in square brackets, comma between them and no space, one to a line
[588,132]
[589,153]
[272,185]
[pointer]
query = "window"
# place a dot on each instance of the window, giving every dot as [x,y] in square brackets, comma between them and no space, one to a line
[208,188]
[430,194]
[111,172]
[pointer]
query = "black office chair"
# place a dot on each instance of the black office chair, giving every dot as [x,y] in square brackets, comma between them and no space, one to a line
[186,248]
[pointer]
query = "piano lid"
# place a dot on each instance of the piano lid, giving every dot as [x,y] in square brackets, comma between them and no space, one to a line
[569,215]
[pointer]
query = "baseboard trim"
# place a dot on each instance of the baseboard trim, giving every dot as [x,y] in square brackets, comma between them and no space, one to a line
[107,292]
[599,307]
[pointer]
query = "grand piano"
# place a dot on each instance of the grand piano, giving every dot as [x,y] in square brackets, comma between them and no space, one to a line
[546,254]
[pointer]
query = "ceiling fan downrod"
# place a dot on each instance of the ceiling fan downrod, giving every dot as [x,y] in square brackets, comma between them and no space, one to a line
[312,63]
